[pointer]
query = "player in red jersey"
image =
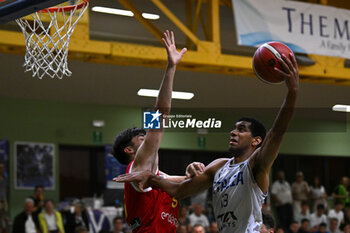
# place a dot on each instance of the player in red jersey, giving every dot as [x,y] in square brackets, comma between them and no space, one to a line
[152,210]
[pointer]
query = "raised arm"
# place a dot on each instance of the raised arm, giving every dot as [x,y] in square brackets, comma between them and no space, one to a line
[189,187]
[264,157]
[193,169]
[147,155]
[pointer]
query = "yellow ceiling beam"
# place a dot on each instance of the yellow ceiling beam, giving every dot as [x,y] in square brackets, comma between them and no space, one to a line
[176,21]
[207,58]
[213,21]
[138,15]
[328,70]
[196,16]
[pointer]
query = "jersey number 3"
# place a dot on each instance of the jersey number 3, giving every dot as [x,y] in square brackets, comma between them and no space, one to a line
[224,200]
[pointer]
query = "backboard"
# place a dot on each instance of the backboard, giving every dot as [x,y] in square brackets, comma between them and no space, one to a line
[14,9]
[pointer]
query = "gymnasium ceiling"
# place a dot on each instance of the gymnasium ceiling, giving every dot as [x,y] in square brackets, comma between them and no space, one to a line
[117,85]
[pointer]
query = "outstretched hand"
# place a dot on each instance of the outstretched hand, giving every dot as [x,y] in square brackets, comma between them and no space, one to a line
[174,56]
[140,179]
[194,169]
[290,71]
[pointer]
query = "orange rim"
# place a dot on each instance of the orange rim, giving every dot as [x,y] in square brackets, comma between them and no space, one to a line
[65,8]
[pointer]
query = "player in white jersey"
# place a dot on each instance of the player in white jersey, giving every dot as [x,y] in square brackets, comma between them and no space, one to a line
[240,183]
[237,196]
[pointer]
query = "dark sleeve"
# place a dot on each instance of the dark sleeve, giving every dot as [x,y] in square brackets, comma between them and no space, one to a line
[70,222]
[187,221]
[36,221]
[18,224]
[86,219]
[336,190]
[16,228]
[38,211]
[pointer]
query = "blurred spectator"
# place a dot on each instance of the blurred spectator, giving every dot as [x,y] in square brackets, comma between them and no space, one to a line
[282,195]
[104,231]
[318,194]
[300,191]
[81,229]
[347,215]
[26,221]
[346,228]
[198,228]
[118,225]
[293,227]
[200,198]
[197,217]
[209,212]
[3,198]
[341,192]
[304,213]
[279,230]
[268,224]
[213,228]
[304,226]
[266,206]
[317,218]
[77,218]
[38,198]
[322,228]
[183,216]
[333,226]
[181,229]
[50,220]
[337,213]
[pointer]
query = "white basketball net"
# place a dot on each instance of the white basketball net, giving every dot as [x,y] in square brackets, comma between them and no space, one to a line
[47,43]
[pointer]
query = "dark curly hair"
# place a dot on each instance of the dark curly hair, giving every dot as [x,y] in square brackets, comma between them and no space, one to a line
[256,128]
[123,140]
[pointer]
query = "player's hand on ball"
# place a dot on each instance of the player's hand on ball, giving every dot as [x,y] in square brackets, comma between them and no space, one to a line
[290,72]
[174,56]
[140,179]
[194,169]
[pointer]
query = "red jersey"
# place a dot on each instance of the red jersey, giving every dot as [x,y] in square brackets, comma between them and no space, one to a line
[152,211]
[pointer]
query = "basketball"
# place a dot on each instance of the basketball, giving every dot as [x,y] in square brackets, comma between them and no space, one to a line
[265,60]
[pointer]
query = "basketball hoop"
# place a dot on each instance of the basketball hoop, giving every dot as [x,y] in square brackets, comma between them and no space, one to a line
[47,42]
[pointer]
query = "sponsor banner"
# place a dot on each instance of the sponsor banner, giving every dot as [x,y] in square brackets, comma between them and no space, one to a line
[34,165]
[304,27]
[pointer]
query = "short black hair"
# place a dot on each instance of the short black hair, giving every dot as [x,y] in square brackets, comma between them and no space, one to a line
[323,224]
[304,203]
[123,140]
[37,187]
[305,220]
[268,221]
[118,218]
[320,207]
[48,200]
[338,202]
[256,128]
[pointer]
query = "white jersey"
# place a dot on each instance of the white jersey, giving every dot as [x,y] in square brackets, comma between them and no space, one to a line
[237,199]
